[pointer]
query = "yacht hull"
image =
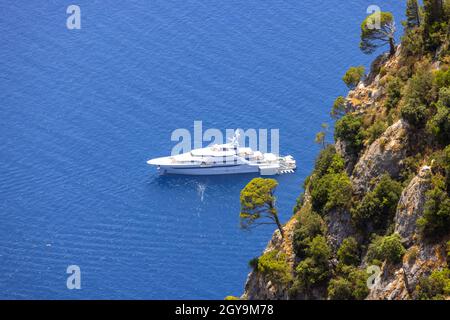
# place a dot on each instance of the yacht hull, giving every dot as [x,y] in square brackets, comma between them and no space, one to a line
[212,170]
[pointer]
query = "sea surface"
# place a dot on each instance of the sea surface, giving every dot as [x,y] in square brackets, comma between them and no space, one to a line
[81,111]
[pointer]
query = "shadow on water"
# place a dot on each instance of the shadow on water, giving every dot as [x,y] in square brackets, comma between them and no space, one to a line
[209,179]
[168,181]
[224,184]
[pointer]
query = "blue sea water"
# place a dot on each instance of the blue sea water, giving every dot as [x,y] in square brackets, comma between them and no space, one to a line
[82,110]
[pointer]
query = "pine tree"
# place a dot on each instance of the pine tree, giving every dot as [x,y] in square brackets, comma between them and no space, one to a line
[433,11]
[373,37]
[412,14]
[433,16]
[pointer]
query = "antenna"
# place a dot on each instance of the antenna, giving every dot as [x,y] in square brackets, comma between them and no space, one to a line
[235,139]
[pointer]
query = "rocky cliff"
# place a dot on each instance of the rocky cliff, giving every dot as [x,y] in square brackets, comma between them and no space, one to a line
[389,153]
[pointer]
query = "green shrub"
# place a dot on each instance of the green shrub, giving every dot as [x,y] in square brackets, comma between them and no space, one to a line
[339,107]
[435,221]
[412,42]
[435,31]
[404,73]
[309,274]
[378,206]
[319,250]
[382,72]
[253,263]
[387,248]
[309,225]
[329,186]
[446,166]
[353,76]
[410,166]
[337,165]
[414,114]
[326,181]
[333,190]
[349,129]
[320,193]
[419,94]
[439,124]
[351,286]
[448,252]
[340,289]
[274,265]
[375,131]
[348,252]
[444,96]
[299,202]
[393,92]
[434,22]
[442,78]
[232,298]
[436,286]
[441,167]
[315,269]
[339,194]
[328,161]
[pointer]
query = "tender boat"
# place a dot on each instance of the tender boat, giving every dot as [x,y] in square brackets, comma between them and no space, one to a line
[226,158]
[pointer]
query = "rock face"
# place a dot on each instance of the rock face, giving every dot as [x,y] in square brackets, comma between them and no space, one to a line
[258,286]
[349,159]
[399,282]
[375,68]
[339,227]
[410,206]
[383,155]
[389,285]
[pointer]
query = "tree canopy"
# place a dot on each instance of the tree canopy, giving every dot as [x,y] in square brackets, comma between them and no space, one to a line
[377,30]
[258,204]
[389,248]
[353,76]
[320,136]
[339,108]
[412,14]
[349,129]
[378,206]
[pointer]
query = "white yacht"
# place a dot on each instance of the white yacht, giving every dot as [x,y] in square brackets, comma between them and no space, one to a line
[226,158]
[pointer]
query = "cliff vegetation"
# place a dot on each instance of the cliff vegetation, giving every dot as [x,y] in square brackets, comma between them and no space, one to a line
[373,221]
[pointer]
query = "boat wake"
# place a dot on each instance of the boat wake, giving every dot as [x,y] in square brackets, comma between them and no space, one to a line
[201,190]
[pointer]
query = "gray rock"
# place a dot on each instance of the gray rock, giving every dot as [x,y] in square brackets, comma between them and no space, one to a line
[383,155]
[375,68]
[258,287]
[339,227]
[376,94]
[399,282]
[410,207]
[349,159]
